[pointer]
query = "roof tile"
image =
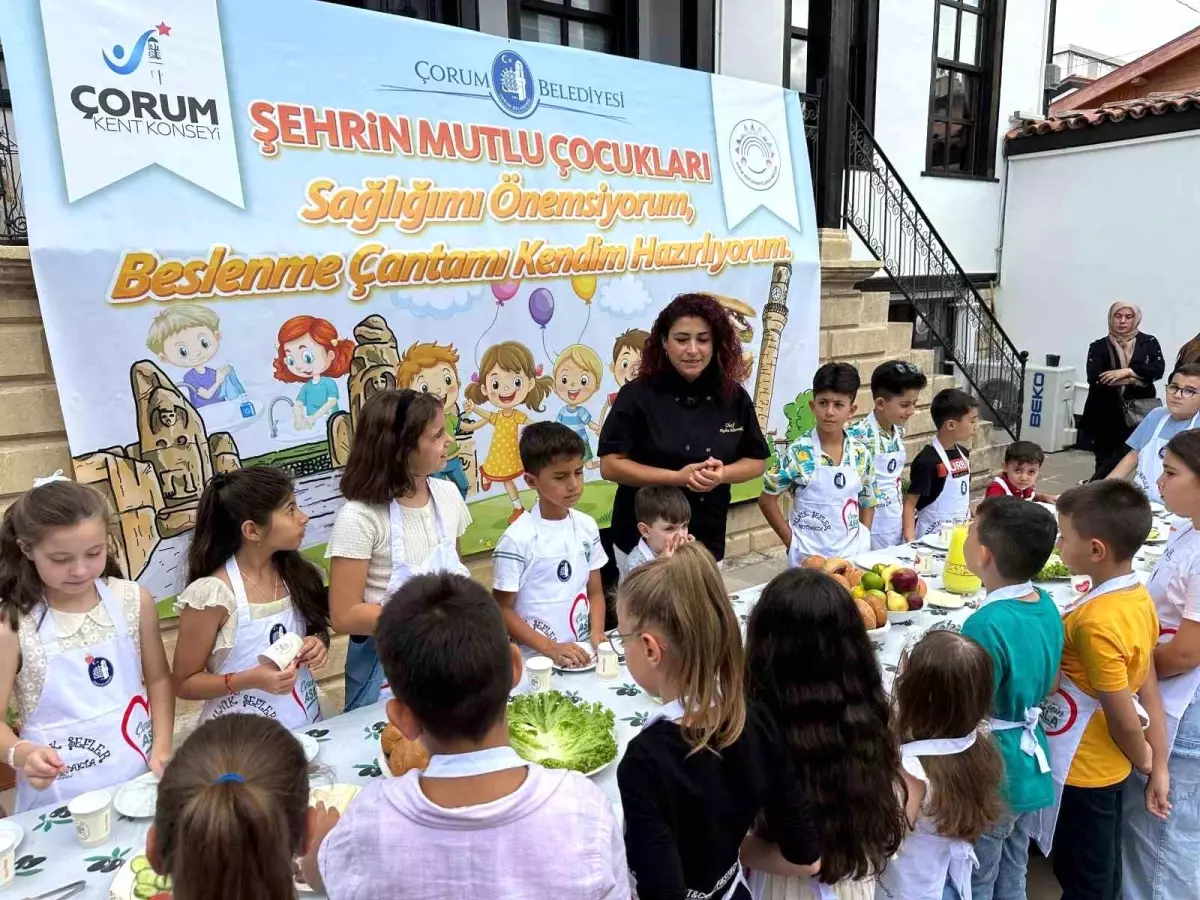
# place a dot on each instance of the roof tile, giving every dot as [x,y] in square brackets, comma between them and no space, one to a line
[1151,105]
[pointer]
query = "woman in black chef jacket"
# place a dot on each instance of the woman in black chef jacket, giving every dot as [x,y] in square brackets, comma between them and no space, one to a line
[685,421]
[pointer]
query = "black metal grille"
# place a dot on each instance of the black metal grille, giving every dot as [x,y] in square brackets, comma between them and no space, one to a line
[882,211]
[13,227]
[810,108]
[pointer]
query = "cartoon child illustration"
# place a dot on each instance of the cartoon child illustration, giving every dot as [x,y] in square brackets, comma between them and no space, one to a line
[507,378]
[577,374]
[310,351]
[627,359]
[188,336]
[433,369]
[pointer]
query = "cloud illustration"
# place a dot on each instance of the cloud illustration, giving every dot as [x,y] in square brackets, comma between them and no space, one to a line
[439,303]
[624,296]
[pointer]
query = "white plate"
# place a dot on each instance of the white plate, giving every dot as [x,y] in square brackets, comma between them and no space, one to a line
[876,633]
[1157,508]
[935,541]
[585,668]
[125,880]
[11,827]
[138,798]
[899,618]
[1157,535]
[944,600]
[309,743]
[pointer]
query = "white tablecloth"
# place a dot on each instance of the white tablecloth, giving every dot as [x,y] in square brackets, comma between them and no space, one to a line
[50,855]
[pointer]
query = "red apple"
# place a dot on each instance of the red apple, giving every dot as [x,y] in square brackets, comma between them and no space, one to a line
[916,599]
[905,581]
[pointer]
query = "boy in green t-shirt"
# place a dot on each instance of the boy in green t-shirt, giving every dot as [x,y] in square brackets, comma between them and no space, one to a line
[1021,629]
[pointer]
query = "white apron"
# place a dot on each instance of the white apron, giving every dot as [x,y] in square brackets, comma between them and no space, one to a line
[444,558]
[254,636]
[888,526]
[1065,717]
[1030,745]
[927,860]
[1150,459]
[93,710]
[954,502]
[736,875]
[553,599]
[824,515]
[1178,691]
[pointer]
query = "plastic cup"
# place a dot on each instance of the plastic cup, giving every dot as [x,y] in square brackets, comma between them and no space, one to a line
[8,847]
[946,532]
[92,814]
[281,653]
[540,669]
[608,666]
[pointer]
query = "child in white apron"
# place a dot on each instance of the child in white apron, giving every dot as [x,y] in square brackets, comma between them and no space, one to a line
[1110,635]
[81,657]
[233,812]
[1148,443]
[1160,853]
[928,506]
[546,565]
[833,497]
[398,521]
[707,764]
[895,387]
[805,643]
[941,738]
[248,588]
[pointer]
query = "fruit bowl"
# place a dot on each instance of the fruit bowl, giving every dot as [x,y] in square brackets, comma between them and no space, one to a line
[907,617]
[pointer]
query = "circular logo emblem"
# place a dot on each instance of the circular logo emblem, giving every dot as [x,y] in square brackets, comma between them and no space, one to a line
[839,480]
[1059,713]
[755,154]
[513,87]
[892,465]
[964,487]
[1162,453]
[100,670]
[564,570]
[278,630]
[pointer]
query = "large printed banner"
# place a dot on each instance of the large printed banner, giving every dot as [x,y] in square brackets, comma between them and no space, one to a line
[247,217]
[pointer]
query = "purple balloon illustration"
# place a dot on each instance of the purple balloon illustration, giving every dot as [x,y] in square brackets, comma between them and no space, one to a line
[541,306]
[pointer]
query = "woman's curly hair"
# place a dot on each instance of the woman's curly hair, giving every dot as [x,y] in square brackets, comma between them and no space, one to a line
[809,660]
[727,349]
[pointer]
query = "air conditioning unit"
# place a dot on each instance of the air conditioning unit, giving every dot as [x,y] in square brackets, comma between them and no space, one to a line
[1054,74]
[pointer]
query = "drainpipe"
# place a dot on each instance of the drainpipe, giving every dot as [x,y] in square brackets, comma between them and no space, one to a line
[1050,52]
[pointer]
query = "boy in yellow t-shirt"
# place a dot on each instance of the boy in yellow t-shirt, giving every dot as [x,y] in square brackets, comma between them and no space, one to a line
[1110,634]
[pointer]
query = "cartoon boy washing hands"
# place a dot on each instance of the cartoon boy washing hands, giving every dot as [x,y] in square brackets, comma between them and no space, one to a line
[433,369]
[188,336]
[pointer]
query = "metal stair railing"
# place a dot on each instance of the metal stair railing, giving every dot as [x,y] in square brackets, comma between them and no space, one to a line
[13,227]
[883,212]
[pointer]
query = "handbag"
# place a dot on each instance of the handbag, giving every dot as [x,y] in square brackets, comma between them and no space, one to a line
[1133,410]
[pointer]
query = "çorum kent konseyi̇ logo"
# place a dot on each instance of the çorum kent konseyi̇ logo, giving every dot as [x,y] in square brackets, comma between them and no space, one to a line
[137,99]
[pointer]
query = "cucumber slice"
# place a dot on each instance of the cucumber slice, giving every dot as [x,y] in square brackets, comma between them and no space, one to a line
[138,863]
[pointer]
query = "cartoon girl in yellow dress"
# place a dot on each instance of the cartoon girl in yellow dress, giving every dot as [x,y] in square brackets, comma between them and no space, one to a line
[507,378]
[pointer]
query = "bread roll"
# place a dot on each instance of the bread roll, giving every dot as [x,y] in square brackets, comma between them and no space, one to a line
[879,608]
[867,613]
[388,739]
[407,755]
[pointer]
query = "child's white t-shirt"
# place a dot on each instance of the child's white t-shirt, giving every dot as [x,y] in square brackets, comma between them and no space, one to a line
[531,537]
[555,836]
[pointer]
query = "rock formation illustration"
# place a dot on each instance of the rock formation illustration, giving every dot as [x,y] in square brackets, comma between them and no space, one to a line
[372,369]
[154,485]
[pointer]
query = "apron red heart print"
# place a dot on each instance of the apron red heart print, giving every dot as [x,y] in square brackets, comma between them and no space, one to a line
[954,501]
[444,557]
[1168,586]
[92,710]
[254,636]
[887,527]
[824,516]
[1065,717]
[553,598]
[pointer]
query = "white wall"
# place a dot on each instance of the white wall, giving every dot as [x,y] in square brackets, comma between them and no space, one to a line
[749,39]
[1090,226]
[493,17]
[965,212]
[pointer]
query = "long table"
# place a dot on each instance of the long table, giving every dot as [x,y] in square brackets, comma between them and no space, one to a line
[50,856]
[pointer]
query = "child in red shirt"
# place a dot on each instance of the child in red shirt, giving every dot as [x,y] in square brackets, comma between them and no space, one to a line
[1022,462]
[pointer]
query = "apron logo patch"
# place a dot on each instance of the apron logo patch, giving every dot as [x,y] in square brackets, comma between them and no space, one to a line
[1162,453]
[581,622]
[278,630]
[564,570]
[892,465]
[839,480]
[963,488]
[808,520]
[135,726]
[100,670]
[850,514]
[1059,713]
